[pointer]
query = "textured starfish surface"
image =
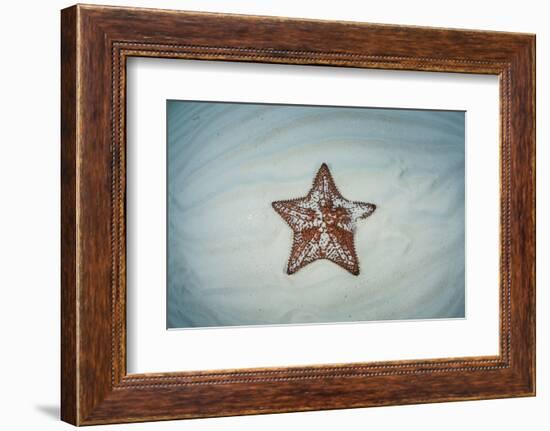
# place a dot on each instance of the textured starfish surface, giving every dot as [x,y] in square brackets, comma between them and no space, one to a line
[323,223]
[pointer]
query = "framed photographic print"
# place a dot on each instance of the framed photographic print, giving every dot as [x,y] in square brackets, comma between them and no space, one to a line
[265,214]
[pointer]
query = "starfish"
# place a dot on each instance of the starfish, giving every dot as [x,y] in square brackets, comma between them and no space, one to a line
[323,223]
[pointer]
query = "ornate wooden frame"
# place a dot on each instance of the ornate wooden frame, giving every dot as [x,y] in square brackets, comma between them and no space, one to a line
[95,43]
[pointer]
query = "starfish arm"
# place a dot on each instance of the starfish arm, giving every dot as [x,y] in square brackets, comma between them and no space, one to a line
[356,210]
[296,213]
[305,249]
[340,249]
[324,187]
[362,209]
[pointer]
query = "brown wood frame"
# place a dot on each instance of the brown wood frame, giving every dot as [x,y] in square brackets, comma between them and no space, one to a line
[95,43]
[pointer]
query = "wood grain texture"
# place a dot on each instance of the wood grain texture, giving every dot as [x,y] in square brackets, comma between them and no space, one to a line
[96,41]
[69,365]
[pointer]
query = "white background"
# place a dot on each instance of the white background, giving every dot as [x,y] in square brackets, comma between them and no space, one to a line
[151,348]
[29,228]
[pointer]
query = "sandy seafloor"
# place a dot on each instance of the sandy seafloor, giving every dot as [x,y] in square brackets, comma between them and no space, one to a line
[228,249]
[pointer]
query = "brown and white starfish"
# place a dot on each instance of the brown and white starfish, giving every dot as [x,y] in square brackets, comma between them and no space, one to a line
[323,223]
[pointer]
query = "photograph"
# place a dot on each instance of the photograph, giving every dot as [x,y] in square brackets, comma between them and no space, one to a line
[301,214]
